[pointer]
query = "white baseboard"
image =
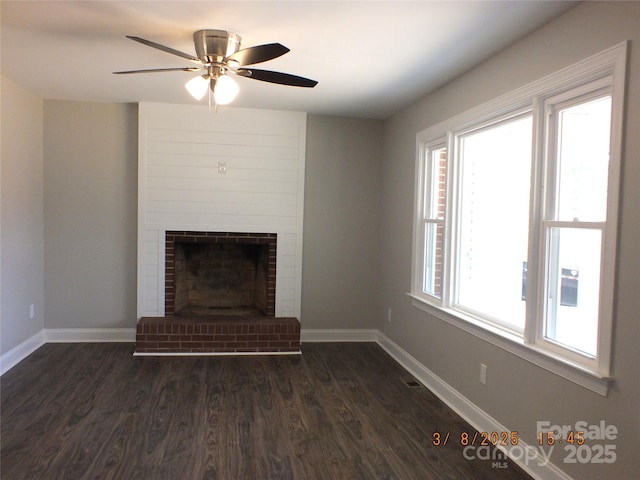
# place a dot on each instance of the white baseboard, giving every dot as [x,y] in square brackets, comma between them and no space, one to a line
[73,335]
[20,352]
[337,335]
[528,457]
[63,335]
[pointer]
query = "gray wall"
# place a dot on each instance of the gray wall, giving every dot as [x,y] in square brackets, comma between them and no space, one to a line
[90,218]
[519,393]
[21,237]
[90,205]
[340,264]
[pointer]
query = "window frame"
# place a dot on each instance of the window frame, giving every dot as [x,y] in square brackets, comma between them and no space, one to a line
[424,176]
[605,70]
[456,187]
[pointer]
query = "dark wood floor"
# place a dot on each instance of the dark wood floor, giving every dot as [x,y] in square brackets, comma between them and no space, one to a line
[339,411]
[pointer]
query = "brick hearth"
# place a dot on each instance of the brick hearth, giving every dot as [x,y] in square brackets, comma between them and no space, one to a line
[217,335]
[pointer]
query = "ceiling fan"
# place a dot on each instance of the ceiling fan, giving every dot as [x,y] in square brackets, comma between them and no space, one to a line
[218,53]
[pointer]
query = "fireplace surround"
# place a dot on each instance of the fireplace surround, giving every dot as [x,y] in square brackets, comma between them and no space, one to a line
[220,291]
[182,189]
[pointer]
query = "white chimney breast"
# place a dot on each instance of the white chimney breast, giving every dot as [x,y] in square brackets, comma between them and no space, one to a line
[181,187]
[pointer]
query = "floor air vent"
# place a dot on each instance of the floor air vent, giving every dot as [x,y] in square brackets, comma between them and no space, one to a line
[415,385]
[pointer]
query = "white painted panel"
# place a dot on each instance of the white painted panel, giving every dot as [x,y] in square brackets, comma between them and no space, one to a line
[151,247]
[286,282]
[198,222]
[250,208]
[286,309]
[211,161]
[217,196]
[266,139]
[181,187]
[215,201]
[231,184]
[287,294]
[150,236]
[288,261]
[188,150]
[151,294]
[233,173]
[150,277]
[286,271]
[224,120]
[150,259]
[287,240]
[197,149]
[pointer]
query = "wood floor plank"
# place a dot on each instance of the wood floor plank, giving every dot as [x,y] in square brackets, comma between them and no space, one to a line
[339,411]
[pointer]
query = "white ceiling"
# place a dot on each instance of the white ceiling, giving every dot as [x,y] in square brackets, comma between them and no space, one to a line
[371,58]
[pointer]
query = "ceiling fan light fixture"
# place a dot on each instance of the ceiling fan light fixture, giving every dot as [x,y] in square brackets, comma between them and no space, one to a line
[198,86]
[225,90]
[218,52]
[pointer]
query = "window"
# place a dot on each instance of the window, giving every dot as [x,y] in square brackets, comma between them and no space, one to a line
[433,221]
[494,163]
[516,209]
[575,216]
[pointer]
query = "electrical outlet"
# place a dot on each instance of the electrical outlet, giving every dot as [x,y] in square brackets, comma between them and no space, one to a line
[32,311]
[389,315]
[483,374]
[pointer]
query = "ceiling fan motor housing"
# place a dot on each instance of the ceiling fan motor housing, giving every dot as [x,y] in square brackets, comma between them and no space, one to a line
[213,46]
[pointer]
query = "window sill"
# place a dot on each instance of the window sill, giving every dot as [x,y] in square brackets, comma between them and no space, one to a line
[514,344]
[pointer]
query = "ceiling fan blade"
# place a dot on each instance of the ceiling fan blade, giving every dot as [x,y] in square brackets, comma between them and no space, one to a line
[277,77]
[155,70]
[164,48]
[258,54]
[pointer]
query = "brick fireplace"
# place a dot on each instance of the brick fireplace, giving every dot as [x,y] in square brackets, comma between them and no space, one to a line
[212,185]
[220,291]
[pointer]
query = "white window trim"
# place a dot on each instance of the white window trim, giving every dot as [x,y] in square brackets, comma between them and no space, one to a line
[421,221]
[609,63]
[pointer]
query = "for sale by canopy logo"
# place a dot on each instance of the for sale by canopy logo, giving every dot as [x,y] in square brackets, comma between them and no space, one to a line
[579,440]
[523,454]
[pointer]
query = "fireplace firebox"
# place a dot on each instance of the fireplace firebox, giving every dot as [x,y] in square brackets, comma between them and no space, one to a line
[220,274]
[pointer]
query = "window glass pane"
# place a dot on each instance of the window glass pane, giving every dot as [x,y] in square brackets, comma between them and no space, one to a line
[437,183]
[583,154]
[433,259]
[494,220]
[573,288]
